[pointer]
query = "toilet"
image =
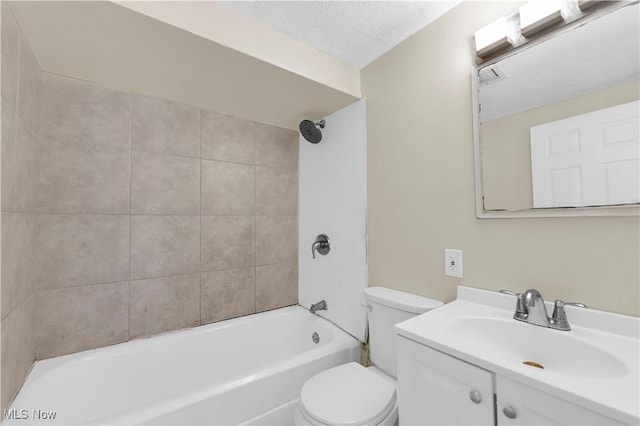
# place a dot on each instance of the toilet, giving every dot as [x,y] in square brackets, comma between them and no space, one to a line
[351,394]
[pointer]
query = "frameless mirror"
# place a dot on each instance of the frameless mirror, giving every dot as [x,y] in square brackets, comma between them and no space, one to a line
[558,122]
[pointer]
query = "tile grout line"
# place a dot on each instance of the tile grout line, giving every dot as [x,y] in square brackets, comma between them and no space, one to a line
[255,221]
[200,211]
[36,186]
[130,215]
[51,289]
[142,214]
[218,160]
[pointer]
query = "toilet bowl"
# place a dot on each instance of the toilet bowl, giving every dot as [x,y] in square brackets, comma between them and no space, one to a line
[351,394]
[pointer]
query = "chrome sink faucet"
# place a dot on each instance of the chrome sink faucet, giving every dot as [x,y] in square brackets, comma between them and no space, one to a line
[530,307]
[535,308]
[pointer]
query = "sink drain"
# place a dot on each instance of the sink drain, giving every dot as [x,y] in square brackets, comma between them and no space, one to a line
[533,364]
[315,337]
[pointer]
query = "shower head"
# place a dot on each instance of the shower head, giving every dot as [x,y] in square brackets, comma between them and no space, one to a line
[311,131]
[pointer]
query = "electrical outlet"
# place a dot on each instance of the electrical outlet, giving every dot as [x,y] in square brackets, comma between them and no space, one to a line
[453,263]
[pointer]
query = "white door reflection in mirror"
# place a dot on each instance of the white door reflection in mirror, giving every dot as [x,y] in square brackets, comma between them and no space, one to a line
[590,159]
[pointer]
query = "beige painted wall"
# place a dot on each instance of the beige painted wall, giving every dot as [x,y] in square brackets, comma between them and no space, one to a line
[228,27]
[103,42]
[421,188]
[506,148]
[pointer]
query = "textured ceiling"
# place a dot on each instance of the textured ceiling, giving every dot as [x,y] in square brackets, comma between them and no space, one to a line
[357,32]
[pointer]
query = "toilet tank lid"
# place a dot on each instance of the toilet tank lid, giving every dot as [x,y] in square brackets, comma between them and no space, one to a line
[400,300]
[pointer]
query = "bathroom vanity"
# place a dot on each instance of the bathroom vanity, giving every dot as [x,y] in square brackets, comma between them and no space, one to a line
[470,362]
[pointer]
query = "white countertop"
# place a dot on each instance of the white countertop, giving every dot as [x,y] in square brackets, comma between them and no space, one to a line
[610,343]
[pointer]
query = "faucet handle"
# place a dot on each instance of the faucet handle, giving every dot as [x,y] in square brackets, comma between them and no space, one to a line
[321,245]
[562,304]
[559,316]
[579,305]
[521,312]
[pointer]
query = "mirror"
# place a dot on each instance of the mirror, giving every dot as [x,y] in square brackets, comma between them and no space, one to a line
[557,122]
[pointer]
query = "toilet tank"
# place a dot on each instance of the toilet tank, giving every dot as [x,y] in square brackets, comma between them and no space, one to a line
[388,308]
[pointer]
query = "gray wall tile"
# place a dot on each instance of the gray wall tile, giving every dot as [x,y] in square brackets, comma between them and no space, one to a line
[26,168]
[74,250]
[162,126]
[80,113]
[164,184]
[164,304]
[18,348]
[228,294]
[9,58]
[227,242]
[28,85]
[227,189]
[82,179]
[19,165]
[8,157]
[79,318]
[276,147]
[18,245]
[276,239]
[227,138]
[83,148]
[276,286]
[164,245]
[276,192]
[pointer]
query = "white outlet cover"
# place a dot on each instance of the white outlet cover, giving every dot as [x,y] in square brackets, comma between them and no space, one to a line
[453,263]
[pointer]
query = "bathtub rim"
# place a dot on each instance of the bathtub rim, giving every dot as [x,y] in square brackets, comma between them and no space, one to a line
[341,341]
[124,347]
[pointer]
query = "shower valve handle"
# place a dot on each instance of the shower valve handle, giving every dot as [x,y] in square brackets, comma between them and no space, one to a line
[321,245]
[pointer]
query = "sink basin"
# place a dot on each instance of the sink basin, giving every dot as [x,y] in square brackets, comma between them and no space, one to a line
[559,352]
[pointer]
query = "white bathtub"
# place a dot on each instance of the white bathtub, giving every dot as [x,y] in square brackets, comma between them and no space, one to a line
[247,370]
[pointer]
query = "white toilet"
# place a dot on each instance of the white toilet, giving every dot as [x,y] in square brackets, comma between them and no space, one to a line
[351,394]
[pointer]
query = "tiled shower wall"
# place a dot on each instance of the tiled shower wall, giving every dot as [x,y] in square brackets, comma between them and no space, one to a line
[155,216]
[142,216]
[20,89]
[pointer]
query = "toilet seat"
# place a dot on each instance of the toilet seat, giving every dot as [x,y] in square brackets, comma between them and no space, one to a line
[349,394]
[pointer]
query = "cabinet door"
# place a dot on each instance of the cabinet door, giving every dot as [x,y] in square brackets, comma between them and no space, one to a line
[518,404]
[437,389]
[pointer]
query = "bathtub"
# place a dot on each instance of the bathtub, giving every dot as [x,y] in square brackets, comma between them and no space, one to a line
[246,370]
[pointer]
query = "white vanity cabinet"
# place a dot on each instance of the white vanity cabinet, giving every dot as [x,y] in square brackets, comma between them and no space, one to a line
[518,404]
[437,389]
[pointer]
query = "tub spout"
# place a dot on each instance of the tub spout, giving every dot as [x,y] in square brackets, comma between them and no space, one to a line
[320,306]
